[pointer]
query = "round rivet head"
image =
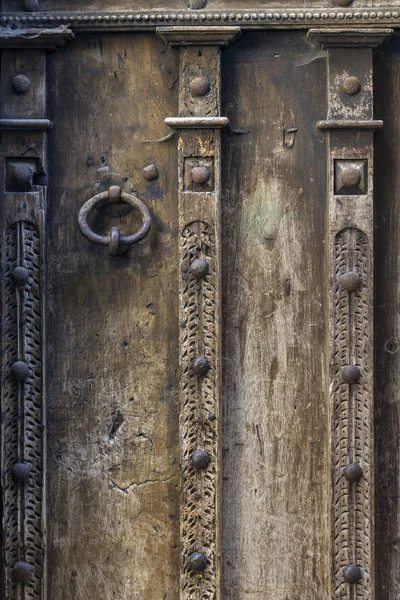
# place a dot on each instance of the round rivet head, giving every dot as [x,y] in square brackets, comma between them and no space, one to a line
[201,365]
[150,172]
[199,86]
[353,472]
[30,5]
[199,268]
[351,374]
[200,460]
[21,84]
[22,175]
[352,574]
[20,276]
[351,86]
[350,281]
[22,572]
[197,562]
[21,472]
[351,177]
[19,371]
[201,175]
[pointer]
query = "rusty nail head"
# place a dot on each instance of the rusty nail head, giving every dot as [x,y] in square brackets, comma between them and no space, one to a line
[201,365]
[351,374]
[22,572]
[351,86]
[200,460]
[350,281]
[199,268]
[201,174]
[352,574]
[20,276]
[351,177]
[19,371]
[199,86]
[353,472]
[150,172]
[21,84]
[198,562]
[21,472]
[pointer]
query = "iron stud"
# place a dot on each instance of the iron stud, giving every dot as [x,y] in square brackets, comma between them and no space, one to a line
[21,472]
[199,268]
[199,86]
[22,572]
[200,460]
[19,371]
[197,562]
[351,86]
[201,175]
[20,276]
[350,281]
[352,574]
[21,84]
[353,472]
[351,374]
[201,365]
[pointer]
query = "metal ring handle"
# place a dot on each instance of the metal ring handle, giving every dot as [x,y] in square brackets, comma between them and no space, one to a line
[114,194]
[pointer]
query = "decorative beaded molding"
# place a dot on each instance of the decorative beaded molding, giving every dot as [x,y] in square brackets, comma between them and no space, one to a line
[23,415]
[199,403]
[352,418]
[283,18]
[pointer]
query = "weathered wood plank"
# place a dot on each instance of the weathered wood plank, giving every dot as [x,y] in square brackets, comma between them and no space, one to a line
[387,294]
[276,471]
[112,322]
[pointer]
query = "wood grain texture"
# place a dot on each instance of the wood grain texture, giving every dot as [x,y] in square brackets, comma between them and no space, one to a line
[387,294]
[276,472]
[114,472]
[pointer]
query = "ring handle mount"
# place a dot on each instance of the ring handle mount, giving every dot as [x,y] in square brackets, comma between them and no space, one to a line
[116,242]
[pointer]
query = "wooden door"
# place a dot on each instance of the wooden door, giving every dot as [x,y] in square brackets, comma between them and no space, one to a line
[199,297]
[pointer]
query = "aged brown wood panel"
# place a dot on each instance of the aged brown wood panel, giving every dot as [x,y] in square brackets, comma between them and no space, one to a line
[112,360]
[276,436]
[387,294]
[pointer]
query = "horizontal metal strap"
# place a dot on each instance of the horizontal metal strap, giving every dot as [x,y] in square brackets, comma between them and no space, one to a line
[197,122]
[25,125]
[342,124]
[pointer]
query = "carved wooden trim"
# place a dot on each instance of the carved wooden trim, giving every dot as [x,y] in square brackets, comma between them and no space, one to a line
[23,405]
[352,415]
[23,443]
[350,235]
[199,212]
[280,17]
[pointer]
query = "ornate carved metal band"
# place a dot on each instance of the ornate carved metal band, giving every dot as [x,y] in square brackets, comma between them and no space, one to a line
[22,464]
[279,17]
